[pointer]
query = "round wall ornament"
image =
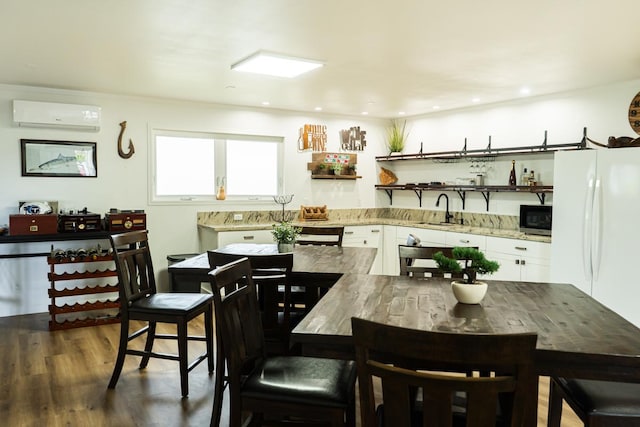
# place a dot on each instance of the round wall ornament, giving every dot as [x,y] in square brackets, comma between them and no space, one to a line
[634,114]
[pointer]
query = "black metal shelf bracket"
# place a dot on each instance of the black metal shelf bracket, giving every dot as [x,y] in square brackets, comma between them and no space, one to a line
[463,196]
[486,195]
[419,194]
[390,194]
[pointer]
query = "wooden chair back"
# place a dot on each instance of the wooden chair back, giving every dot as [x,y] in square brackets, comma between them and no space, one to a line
[410,254]
[321,236]
[407,359]
[237,316]
[132,258]
[269,272]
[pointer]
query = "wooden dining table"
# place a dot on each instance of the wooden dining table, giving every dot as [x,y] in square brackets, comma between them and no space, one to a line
[322,264]
[577,336]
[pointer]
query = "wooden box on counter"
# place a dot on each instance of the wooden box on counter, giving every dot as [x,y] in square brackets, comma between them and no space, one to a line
[125,221]
[20,225]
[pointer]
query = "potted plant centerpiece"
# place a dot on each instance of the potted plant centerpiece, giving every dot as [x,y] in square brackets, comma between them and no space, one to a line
[396,136]
[470,262]
[285,234]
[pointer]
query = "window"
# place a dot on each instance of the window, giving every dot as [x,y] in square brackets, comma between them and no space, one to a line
[189,167]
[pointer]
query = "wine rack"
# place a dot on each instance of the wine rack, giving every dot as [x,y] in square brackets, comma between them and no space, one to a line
[65,309]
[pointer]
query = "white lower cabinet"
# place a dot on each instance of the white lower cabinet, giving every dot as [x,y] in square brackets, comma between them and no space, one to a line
[427,238]
[522,260]
[454,239]
[214,240]
[366,236]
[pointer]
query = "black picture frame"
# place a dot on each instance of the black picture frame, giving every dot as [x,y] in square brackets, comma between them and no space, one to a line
[59,158]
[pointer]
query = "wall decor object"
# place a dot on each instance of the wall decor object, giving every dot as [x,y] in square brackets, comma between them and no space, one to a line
[312,137]
[353,139]
[121,153]
[333,166]
[58,158]
[634,113]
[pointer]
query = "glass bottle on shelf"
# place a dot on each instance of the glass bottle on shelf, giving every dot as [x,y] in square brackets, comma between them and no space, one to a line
[512,174]
[524,179]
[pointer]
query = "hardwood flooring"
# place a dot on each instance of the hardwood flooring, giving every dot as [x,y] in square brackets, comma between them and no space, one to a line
[60,379]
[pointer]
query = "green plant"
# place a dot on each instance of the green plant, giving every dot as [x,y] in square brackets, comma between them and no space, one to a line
[337,168]
[396,136]
[285,232]
[473,263]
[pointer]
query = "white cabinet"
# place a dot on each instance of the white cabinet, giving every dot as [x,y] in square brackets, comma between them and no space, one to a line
[453,239]
[519,259]
[210,239]
[427,237]
[366,236]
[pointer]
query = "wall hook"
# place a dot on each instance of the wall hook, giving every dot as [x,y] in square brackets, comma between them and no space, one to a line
[121,153]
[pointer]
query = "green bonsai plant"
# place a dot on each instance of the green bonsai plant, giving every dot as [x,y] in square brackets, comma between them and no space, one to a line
[396,136]
[285,232]
[473,263]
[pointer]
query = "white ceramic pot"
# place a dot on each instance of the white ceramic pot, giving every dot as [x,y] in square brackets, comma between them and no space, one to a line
[469,294]
[285,247]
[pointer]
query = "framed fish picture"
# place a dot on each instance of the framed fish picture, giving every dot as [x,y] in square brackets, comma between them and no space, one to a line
[58,158]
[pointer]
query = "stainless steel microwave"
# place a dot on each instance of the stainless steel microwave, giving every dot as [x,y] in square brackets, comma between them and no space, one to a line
[536,219]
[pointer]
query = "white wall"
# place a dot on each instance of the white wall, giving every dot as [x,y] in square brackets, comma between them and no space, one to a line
[603,110]
[123,183]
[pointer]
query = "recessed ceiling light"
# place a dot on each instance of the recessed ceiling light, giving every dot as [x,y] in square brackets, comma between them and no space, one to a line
[265,102]
[273,64]
[364,113]
[475,100]
[318,108]
[525,91]
[436,107]
[401,113]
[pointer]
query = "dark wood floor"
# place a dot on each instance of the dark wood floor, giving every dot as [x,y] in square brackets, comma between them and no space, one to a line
[60,379]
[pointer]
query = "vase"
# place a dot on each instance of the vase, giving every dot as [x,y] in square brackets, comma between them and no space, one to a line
[285,247]
[469,293]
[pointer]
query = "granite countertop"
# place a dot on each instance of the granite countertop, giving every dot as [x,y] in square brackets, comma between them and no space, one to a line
[495,232]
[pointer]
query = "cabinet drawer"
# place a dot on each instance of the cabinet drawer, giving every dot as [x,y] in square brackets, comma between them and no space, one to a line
[519,247]
[365,235]
[427,237]
[463,239]
[246,236]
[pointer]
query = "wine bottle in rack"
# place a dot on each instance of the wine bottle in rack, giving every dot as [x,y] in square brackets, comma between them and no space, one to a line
[512,174]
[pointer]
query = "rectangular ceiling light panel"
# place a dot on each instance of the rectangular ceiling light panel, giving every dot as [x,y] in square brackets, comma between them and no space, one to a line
[275,65]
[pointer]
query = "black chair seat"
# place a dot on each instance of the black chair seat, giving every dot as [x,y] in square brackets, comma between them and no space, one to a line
[326,382]
[604,398]
[171,303]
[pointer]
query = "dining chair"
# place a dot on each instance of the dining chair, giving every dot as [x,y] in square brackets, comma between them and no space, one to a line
[409,361]
[140,300]
[596,403]
[292,387]
[270,272]
[410,257]
[325,236]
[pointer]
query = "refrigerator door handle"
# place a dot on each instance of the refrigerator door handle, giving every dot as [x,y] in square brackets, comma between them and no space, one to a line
[586,230]
[597,226]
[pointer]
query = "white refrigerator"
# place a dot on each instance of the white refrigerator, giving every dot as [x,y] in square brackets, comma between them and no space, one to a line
[595,242]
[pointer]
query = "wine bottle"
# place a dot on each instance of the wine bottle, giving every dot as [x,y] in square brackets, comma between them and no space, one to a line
[512,175]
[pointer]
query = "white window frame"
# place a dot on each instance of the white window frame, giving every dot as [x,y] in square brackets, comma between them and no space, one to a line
[220,165]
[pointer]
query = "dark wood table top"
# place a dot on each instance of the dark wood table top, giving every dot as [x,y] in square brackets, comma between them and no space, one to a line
[577,336]
[306,259]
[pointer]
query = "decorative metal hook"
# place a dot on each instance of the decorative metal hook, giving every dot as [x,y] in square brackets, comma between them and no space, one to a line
[121,153]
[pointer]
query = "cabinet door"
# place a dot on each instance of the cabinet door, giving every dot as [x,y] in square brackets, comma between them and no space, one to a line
[366,236]
[536,270]
[519,259]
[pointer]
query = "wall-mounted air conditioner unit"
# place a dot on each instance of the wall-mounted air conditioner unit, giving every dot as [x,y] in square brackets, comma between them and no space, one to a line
[52,114]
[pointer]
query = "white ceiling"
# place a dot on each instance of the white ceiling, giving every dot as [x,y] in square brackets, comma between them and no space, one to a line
[381,56]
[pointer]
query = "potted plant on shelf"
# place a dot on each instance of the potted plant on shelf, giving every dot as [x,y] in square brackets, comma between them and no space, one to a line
[285,234]
[396,136]
[321,169]
[470,262]
[351,169]
[337,168]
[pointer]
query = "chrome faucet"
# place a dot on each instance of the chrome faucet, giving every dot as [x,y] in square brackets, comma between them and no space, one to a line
[447,214]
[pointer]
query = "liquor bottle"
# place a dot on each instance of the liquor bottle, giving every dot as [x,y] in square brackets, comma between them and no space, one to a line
[512,175]
[81,253]
[524,179]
